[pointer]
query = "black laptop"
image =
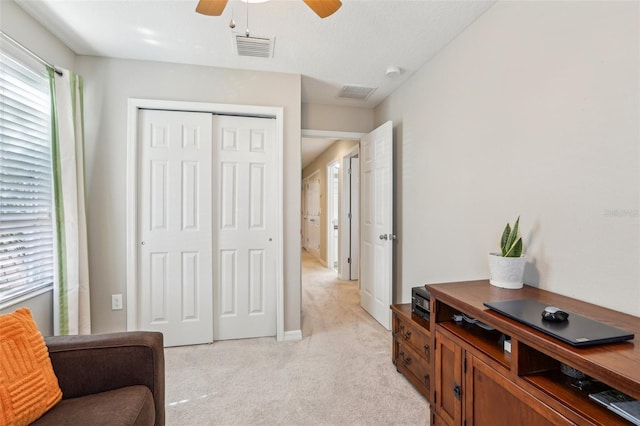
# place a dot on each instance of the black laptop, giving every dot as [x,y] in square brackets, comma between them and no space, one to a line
[576,330]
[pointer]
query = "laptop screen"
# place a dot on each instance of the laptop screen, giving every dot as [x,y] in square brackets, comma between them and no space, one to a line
[576,330]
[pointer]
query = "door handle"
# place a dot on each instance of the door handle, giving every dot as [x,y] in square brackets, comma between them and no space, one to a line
[391,237]
[405,360]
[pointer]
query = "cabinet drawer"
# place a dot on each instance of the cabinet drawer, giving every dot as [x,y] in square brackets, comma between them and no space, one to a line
[411,363]
[411,335]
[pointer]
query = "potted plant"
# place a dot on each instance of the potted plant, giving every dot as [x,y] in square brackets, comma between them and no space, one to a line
[507,267]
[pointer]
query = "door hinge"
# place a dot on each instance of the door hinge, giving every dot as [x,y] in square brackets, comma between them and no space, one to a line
[349,171]
[350,216]
[348,260]
[465,365]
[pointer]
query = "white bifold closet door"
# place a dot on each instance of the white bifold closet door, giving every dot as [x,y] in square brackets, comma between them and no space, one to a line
[245,257]
[207,261]
[175,226]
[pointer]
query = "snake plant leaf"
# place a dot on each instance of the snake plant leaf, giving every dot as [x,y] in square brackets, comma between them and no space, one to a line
[515,250]
[516,229]
[510,242]
[513,235]
[504,238]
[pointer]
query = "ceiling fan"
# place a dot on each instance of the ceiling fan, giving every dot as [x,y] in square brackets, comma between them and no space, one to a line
[322,8]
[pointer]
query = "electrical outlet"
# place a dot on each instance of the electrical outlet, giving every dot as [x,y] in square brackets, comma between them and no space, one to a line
[116,302]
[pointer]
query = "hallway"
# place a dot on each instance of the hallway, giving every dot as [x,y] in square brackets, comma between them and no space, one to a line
[328,302]
[333,318]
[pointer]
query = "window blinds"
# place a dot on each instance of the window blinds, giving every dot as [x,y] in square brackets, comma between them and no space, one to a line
[26,193]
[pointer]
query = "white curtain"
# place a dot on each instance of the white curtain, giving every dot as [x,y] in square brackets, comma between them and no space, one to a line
[71,290]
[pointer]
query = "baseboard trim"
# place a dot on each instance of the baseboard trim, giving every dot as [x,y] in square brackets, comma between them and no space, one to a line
[293,335]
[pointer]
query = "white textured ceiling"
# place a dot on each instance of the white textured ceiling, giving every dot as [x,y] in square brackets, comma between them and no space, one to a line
[354,46]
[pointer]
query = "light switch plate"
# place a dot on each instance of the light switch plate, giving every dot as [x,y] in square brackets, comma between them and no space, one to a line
[116,302]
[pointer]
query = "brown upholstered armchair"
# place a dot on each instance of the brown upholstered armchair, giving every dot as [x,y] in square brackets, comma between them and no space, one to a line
[108,379]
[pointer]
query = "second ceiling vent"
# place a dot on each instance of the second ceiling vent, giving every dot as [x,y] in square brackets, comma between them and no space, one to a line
[355,92]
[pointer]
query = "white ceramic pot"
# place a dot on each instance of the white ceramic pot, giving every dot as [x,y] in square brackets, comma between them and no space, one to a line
[506,272]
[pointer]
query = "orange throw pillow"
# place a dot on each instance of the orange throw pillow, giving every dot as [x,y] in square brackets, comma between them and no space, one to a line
[28,385]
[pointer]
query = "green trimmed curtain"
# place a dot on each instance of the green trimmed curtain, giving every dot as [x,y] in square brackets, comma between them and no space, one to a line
[71,288]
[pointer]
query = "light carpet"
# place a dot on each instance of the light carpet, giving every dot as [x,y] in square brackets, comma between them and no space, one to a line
[340,373]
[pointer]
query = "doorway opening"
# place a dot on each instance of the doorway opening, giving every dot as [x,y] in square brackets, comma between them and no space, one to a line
[372,195]
[311,215]
[325,210]
[333,215]
[349,264]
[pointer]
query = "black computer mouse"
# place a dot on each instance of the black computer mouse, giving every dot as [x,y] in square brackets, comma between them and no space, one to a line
[553,314]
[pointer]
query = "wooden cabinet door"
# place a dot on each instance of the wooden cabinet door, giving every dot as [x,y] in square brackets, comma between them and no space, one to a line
[448,392]
[494,400]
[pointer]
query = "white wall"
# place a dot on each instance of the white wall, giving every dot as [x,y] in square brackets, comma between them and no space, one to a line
[24,29]
[337,118]
[532,111]
[28,32]
[108,85]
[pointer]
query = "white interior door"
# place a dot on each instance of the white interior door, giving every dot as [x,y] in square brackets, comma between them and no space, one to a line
[303,215]
[354,243]
[377,239]
[175,239]
[246,224]
[350,218]
[313,215]
[333,215]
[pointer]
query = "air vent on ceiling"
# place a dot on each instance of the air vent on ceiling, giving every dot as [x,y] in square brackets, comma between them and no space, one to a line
[356,92]
[258,47]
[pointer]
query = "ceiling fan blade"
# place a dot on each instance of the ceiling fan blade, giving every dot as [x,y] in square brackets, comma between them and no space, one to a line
[323,8]
[211,7]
